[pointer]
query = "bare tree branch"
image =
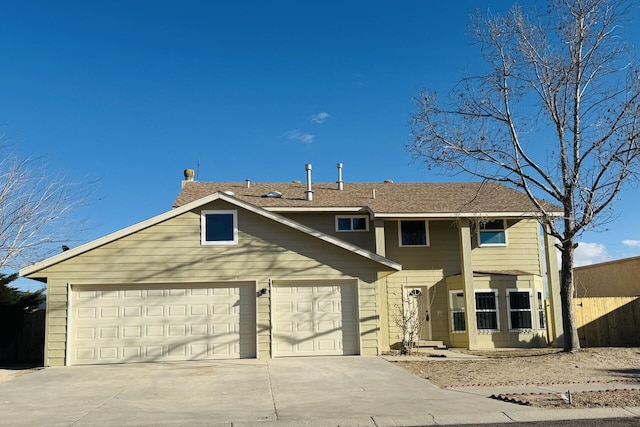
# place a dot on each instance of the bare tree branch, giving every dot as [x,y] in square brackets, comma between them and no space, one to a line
[35,210]
[555,113]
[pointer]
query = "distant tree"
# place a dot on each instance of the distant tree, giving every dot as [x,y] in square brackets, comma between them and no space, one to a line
[35,209]
[13,306]
[553,111]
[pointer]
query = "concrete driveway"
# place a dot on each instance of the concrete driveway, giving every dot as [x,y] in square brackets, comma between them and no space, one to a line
[367,391]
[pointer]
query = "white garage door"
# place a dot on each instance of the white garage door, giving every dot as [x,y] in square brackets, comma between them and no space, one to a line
[315,320]
[162,323]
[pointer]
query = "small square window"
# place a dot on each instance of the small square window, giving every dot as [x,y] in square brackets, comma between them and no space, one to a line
[492,233]
[413,233]
[219,227]
[352,223]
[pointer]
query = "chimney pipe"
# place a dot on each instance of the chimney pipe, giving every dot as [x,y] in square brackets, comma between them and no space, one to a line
[248,181]
[188,176]
[309,192]
[340,182]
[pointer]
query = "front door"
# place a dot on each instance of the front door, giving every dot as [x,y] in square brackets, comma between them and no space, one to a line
[417,309]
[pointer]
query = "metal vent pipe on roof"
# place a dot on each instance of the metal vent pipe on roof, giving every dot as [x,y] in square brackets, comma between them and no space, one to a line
[309,192]
[189,175]
[340,182]
[248,181]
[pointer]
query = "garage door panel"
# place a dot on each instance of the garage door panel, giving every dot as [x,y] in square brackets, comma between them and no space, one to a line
[327,345]
[129,353]
[315,319]
[138,325]
[108,313]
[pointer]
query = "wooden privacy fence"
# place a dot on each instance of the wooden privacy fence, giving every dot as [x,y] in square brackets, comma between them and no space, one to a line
[28,347]
[608,321]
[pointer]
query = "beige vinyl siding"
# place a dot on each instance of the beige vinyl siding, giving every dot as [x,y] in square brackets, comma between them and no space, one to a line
[170,252]
[263,322]
[369,320]
[440,312]
[522,251]
[429,266]
[326,223]
[434,283]
[501,283]
[442,254]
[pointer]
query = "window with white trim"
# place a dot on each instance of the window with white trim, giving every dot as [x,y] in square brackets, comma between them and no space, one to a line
[487,311]
[413,232]
[542,315]
[458,320]
[492,232]
[219,227]
[519,306]
[345,223]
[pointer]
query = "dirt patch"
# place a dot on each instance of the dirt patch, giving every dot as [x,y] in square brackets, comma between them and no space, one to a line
[541,367]
[583,399]
[7,374]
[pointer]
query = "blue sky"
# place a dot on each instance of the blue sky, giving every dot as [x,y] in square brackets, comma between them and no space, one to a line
[129,94]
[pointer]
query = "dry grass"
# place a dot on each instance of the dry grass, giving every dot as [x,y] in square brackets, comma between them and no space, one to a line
[532,366]
[540,367]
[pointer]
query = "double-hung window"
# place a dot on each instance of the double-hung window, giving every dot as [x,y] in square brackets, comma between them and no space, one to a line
[458,322]
[219,227]
[492,232]
[413,232]
[520,314]
[352,223]
[487,311]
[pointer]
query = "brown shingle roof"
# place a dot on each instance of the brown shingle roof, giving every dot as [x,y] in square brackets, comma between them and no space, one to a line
[390,198]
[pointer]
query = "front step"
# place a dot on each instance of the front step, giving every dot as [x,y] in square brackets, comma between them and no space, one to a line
[438,345]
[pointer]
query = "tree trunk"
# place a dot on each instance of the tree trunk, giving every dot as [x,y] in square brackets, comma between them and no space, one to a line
[571,341]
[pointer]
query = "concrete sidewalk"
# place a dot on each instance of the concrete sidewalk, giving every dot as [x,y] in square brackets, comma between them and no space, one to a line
[317,391]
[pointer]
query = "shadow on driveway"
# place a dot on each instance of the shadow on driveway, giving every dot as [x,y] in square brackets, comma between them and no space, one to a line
[286,391]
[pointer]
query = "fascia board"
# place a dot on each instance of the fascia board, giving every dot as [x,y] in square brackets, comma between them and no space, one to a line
[315,209]
[465,215]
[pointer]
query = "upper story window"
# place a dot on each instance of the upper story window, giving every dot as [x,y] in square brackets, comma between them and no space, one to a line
[352,223]
[492,233]
[413,232]
[219,227]
[520,316]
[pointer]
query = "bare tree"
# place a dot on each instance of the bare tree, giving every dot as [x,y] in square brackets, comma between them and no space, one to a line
[34,209]
[555,113]
[409,316]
